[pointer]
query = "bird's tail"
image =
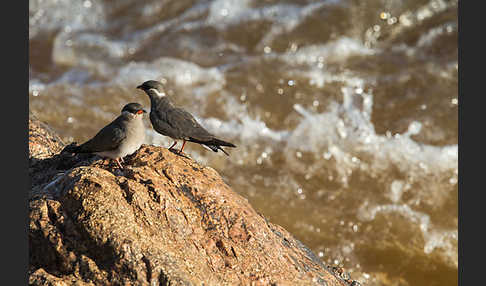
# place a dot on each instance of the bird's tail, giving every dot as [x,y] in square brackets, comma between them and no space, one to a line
[215,148]
[216,144]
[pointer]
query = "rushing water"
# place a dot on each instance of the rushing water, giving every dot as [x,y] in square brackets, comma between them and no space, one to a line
[344,111]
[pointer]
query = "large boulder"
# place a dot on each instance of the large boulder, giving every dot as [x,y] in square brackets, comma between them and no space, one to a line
[162,220]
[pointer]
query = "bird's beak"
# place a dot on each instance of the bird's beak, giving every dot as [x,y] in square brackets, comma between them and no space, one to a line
[144,111]
[140,87]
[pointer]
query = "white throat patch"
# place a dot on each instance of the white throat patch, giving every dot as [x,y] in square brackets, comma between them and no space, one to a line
[159,94]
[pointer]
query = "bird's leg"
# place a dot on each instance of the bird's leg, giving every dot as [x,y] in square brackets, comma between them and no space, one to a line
[175,142]
[118,163]
[121,159]
[183,144]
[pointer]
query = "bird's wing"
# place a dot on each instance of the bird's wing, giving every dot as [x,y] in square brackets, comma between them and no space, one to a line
[187,125]
[161,125]
[108,138]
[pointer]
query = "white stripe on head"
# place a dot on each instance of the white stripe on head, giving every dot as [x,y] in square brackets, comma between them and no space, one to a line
[159,94]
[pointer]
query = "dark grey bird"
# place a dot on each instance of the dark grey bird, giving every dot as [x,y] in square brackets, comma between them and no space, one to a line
[122,137]
[175,122]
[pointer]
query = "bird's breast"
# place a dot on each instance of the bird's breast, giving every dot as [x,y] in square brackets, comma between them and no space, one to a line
[135,137]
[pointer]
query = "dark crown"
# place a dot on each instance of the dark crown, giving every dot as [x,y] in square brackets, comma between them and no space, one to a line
[151,84]
[133,107]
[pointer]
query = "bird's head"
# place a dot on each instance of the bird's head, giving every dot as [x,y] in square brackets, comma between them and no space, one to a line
[133,110]
[153,88]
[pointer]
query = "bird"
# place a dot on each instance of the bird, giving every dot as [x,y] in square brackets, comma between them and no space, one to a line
[176,122]
[121,137]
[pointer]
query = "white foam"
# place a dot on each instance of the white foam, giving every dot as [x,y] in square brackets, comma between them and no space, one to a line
[94,53]
[397,188]
[284,17]
[432,8]
[82,49]
[346,131]
[66,15]
[338,50]
[224,12]
[185,21]
[444,239]
[429,37]
[179,72]
[35,86]
[246,129]
[366,213]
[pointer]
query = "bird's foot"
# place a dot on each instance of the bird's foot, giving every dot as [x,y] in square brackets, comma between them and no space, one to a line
[175,151]
[179,152]
[119,164]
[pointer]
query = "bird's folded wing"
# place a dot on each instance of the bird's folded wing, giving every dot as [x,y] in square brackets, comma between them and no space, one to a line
[160,124]
[187,124]
[108,138]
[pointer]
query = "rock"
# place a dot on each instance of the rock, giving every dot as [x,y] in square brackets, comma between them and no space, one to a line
[162,220]
[43,142]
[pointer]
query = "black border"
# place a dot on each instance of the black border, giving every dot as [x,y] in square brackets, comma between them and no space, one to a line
[470,91]
[15,148]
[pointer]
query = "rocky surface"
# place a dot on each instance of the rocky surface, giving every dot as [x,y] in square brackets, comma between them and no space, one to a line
[162,220]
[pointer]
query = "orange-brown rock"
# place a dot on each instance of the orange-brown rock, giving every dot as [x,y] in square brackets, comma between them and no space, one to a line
[43,142]
[162,220]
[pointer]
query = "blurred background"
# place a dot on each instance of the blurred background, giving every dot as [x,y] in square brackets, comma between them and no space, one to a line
[344,111]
